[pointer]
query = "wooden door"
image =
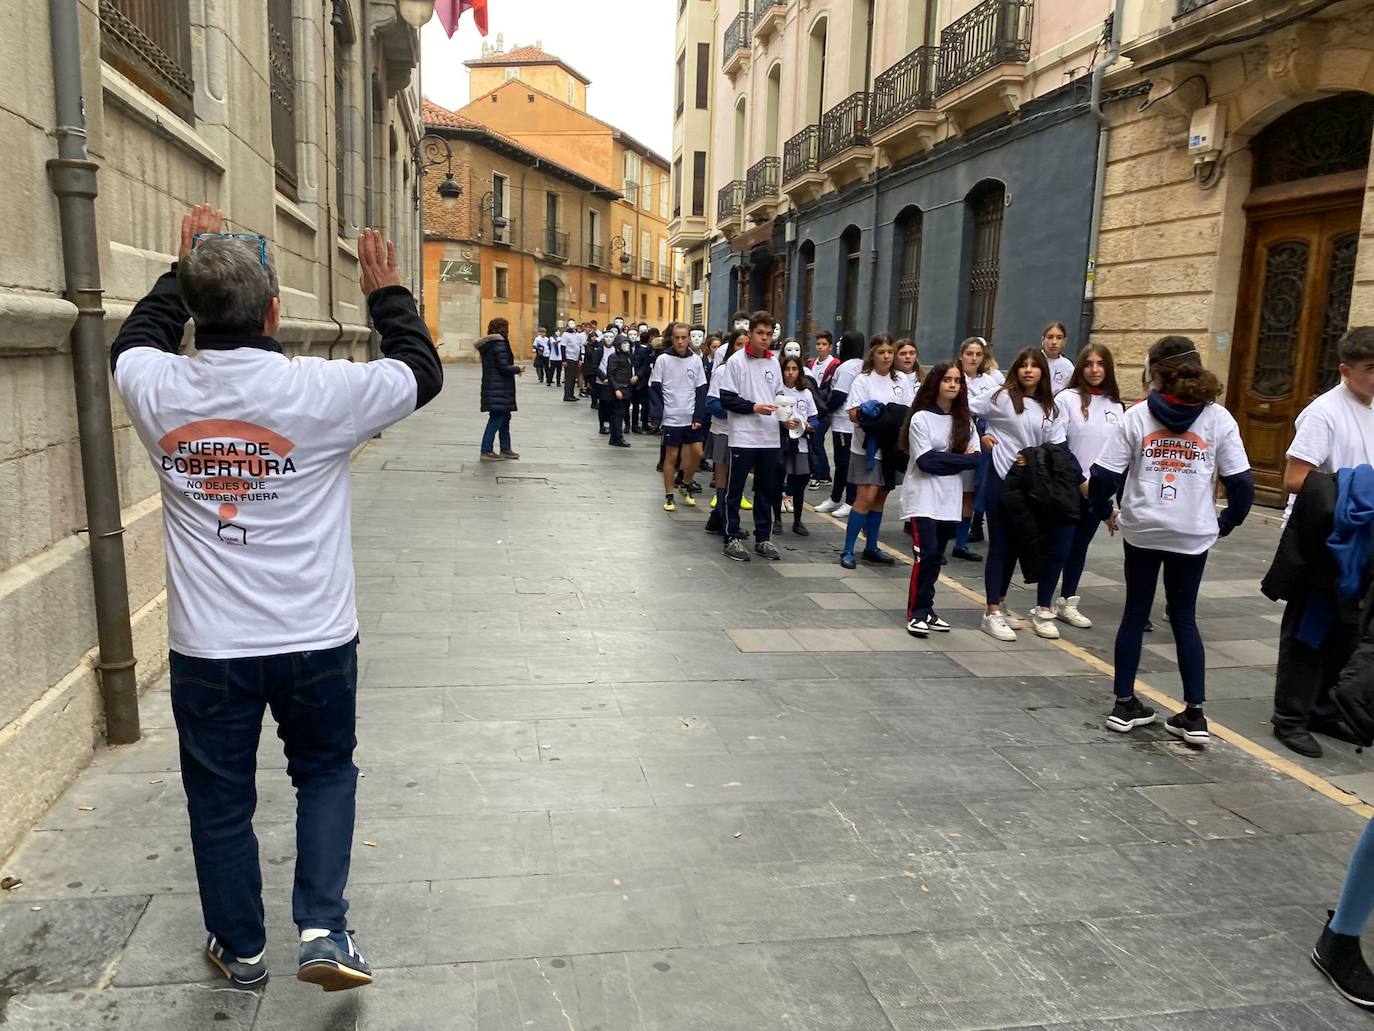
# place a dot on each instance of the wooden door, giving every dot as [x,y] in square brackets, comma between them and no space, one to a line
[1294,305]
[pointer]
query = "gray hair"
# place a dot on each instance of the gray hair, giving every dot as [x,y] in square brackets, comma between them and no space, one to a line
[225,287]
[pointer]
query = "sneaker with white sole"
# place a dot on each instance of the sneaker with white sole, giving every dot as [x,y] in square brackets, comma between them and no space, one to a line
[937,624]
[1042,622]
[787,505]
[1192,729]
[1066,611]
[827,506]
[334,963]
[995,625]
[842,512]
[735,549]
[239,973]
[1129,713]
[918,627]
[1013,619]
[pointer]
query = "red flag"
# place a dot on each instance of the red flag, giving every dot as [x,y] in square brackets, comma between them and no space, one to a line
[450,11]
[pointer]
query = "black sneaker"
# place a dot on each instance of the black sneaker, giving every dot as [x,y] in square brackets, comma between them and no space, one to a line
[1192,729]
[334,963]
[1129,713]
[1338,956]
[918,627]
[735,549]
[239,973]
[800,530]
[715,524]
[967,555]
[767,550]
[937,624]
[877,557]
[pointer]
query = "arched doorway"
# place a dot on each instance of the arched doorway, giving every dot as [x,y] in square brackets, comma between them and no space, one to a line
[1302,234]
[548,304]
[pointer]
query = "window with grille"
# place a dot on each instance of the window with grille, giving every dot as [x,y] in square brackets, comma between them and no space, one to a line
[281,58]
[984,269]
[149,42]
[849,310]
[343,104]
[908,272]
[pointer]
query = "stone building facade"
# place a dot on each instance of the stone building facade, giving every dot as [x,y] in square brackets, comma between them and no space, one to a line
[1259,245]
[256,107]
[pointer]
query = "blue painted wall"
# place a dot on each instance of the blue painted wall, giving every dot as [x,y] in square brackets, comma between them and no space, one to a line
[1046,163]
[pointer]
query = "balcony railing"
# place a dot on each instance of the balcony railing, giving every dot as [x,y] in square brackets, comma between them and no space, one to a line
[663,272]
[647,271]
[1189,6]
[761,8]
[801,154]
[909,85]
[995,32]
[736,38]
[845,125]
[730,200]
[762,180]
[556,243]
[596,255]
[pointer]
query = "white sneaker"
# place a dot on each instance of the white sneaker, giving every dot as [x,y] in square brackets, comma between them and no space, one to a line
[995,625]
[842,512]
[1042,622]
[1066,609]
[1012,619]
[828,505]
[787,504]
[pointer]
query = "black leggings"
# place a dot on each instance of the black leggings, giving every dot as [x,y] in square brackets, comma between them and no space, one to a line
[1182,577]
[841,487]
[794,486]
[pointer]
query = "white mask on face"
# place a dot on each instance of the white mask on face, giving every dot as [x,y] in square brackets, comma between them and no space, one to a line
[698,337]
[742,325]
[696,345]
[634,336]
[619,323]
[572,324]
[791,350]
[777,333]
[643,329]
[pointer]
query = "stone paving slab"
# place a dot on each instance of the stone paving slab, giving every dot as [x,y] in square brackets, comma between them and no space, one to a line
[632,785]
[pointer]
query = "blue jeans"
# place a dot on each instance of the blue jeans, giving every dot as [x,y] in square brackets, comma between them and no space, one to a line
[497,422]
[1074,540]
[1182,578]
[218,705]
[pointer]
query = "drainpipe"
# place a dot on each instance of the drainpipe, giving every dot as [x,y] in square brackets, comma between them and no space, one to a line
[1085,319]
[72,179]
[369,174]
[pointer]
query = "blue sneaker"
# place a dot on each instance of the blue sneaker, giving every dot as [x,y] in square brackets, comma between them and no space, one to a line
[333,963]
[239,973]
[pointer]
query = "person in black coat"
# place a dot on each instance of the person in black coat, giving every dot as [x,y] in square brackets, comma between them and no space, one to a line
[498,389]
[642,360]
[616,402]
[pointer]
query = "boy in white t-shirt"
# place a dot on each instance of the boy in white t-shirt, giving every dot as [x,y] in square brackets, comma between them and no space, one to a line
[1335,431]
[678,382]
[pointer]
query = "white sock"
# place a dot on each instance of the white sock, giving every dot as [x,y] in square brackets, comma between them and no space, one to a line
[309,934]
[253,959]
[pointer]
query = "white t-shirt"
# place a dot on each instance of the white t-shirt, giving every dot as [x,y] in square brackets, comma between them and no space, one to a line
[1014,433]
[804,410]
[985,384]
[1061,371]
[541,345]
[871,387]
[607,349]
[1168,503]
[1334,432]
[926,496]
[816,368]
[680,378]
[555,349]
[572,347]
[842,383]
[913,384]
[252,450]
[1088,434]
[757,380]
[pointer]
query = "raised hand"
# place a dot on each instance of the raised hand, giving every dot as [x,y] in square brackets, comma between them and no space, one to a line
[200,219]
[376,262]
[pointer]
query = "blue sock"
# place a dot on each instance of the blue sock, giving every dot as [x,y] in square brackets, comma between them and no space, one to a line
[1357,896]
[961,535]
[875,522]
[851,530]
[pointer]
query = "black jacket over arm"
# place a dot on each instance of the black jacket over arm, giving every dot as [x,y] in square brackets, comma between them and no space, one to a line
[619,369]
[159,320]
[1039,497]
[1302,562]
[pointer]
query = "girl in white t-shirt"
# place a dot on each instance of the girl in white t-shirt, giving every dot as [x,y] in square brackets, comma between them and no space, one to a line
[795,457]
[1092,405]
[841,429]
[1020,414]
[880,382]
[1164,460]
[942,450]
[1052,342]
[908,364]
[981,376]
[718,442]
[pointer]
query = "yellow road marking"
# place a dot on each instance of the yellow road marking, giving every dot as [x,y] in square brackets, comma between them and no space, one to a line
[1270,758]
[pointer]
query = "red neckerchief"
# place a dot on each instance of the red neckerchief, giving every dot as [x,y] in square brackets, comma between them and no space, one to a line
[1178,400]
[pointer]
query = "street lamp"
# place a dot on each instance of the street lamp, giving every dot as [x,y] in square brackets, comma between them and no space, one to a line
[431,151]
[486,207]
[416,13]
[619,241]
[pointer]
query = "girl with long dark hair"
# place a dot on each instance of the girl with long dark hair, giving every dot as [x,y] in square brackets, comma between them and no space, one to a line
[796,462]
[1020,414]
[942,449]
[1092,404]
[1164,461]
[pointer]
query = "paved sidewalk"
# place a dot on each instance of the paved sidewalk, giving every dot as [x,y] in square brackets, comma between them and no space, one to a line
[615,782]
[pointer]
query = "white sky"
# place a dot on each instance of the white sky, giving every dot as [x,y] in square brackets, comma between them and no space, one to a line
[625,47]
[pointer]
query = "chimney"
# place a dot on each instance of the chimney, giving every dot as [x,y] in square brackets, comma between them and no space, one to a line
[500,43]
